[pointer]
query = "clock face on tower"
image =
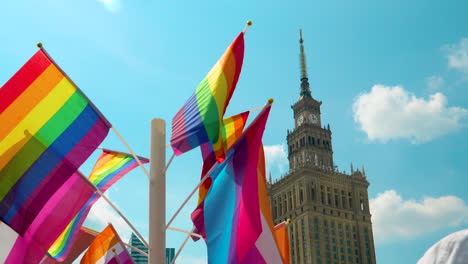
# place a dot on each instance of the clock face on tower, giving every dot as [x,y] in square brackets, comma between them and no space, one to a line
[300,120]
[313,118]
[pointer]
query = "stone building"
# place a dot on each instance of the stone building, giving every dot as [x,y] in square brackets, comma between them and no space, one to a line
[329,210]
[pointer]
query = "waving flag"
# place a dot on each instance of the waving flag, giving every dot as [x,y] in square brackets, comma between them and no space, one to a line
[231,131]
[109,168]
[48,129]
[200,118]
[107,248]
[51,221]
[282,238]
[233,218]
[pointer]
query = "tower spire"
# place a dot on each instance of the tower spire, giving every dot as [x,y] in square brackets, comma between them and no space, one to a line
[305,90]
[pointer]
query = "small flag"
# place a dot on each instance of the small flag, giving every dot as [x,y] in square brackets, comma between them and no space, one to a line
[200,118]
[282,238]
[84,239]
[48,129]
[107,248]
[109,168]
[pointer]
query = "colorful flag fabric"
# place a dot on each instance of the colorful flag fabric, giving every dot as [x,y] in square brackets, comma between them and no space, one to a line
[51,221]
[109,168]
[266,247]
[200,118]
[232,218]
[282,239]
[107,248]
[232,130]
[85,237]
[48,129]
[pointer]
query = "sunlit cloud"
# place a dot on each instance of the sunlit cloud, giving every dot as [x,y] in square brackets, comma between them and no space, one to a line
[390,112]
[394,218]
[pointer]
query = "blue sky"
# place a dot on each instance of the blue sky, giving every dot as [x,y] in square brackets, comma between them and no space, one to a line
[392,75]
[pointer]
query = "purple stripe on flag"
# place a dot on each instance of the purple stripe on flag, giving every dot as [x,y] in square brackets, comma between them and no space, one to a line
[82,150]
[51,221]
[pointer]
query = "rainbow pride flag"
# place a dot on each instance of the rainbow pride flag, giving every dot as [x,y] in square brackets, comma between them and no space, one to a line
[200,119]
[48,129]
[231,130]
[109,168]
[107,248]
[235,218]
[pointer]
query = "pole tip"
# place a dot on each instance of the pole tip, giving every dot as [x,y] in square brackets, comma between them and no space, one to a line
[270,101]
[39,45]
[249,23]
[288,221]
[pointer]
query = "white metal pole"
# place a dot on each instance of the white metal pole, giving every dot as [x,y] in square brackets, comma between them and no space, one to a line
[157,193]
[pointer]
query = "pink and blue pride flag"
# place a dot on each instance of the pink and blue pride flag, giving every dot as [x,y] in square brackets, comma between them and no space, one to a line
[233,216]
[109,168]
[48,128]
[200,118]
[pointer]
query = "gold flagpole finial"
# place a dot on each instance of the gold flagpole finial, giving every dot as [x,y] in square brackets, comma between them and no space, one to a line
[249,23]
[39,45]
[270,101]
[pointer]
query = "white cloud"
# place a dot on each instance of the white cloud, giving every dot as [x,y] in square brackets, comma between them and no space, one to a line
[434,83]
[391,112]
[276,159]
[102,213]
[394,218]
[111,5]
[458,56]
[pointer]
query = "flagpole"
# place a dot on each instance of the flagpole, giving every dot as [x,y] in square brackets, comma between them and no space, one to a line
[131,152]
[96,189]
[181,247]
[157,193]
[183,231]
[188,197]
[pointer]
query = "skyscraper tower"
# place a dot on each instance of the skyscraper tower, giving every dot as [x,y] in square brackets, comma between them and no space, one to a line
[331,222]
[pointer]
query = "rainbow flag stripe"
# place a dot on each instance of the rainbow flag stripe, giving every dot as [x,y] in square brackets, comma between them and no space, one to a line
[107,248]
[200,119]
[109,168]
[48,129]
[233,218]
[232,130]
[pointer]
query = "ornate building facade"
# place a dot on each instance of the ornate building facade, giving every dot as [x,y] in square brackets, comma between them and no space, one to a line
[329,210]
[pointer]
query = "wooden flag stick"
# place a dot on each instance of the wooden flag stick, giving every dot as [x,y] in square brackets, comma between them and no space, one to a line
[136,249]
[131,152]
[188,198]
[116,210]
[183,231]
[182,246]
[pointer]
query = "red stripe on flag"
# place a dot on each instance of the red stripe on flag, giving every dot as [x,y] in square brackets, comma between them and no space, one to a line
[23,78]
